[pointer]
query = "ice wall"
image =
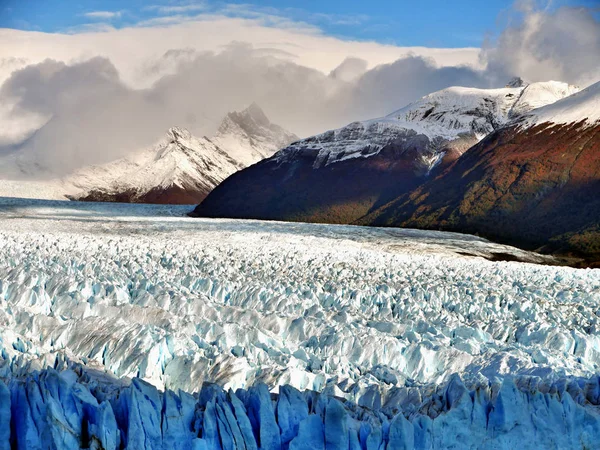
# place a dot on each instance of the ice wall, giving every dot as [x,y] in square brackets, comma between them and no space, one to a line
[63,410]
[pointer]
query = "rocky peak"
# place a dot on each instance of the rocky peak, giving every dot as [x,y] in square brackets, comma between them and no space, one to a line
[516,82]
[256,113]
[249,136]
[251,120]
[176,134]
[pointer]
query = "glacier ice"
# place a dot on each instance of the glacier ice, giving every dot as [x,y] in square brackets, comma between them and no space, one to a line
[71,410]
[115,319]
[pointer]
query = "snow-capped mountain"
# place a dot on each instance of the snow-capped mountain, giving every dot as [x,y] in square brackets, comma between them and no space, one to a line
[534,182]
[180,168]
[248,136]
[340,175]
[537,95]
[581,106]
[455,117]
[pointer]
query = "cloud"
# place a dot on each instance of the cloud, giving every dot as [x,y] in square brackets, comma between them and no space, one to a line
[86,114]
[77,108]
[208,33]
[350,69]
[289,15]
[167,20]
[562,45]
[95,27]
[177,9]
[103,15]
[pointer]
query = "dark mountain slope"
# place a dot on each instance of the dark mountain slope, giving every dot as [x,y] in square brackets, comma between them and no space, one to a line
[533,187]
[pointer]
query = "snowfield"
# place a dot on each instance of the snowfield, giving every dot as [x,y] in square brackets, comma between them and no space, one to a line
[413,339]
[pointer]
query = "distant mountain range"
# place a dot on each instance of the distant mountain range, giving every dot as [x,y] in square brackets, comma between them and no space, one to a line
[518,164]
[180,169]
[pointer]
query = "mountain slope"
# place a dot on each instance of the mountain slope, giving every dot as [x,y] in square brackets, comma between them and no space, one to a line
[342,175]
[533,183]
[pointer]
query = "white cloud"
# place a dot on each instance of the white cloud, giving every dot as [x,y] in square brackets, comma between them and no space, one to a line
[103,15]
[350,69]
[95,27]
[166,20]
[177,9]
[563,45]
[129,48]
[97,95]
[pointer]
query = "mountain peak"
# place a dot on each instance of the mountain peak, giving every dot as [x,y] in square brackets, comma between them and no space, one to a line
[581,106]
[516,82]
[250,136]
[178,133]
[252,116]
[256,112]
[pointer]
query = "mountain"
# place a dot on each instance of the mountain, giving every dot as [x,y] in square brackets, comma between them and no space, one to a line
[342,175]
[180,169]
[248,136]
[533,183]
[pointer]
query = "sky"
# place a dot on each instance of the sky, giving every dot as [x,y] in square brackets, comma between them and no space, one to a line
[430,23]
[87,81]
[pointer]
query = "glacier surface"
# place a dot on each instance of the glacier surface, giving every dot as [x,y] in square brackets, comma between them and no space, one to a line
[115,318]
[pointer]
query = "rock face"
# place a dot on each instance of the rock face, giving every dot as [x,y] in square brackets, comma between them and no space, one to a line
[68,410]
[532,184]
[344,174]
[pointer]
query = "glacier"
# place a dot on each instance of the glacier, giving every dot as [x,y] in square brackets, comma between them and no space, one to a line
[133,326]
[68,409]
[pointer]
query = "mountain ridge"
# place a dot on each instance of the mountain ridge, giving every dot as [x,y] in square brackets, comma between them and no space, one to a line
[342,175]
[180,168]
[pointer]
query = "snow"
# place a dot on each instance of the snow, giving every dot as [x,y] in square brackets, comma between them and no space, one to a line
[581,106]
[457,110]
[180,160]
[422,341]
[537,95]
[442,117]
